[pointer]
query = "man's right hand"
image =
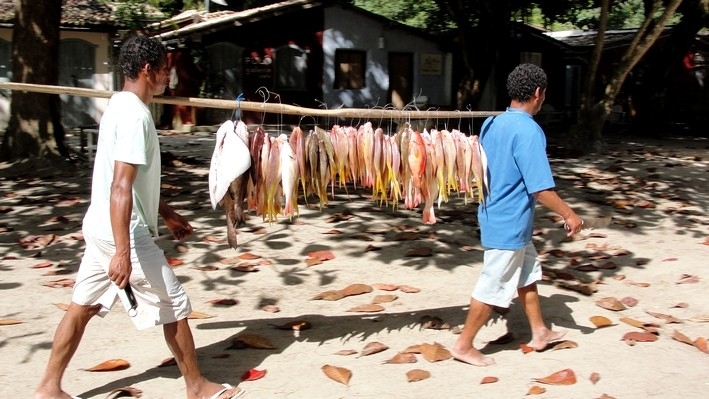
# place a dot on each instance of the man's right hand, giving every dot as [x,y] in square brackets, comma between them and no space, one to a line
[119,269]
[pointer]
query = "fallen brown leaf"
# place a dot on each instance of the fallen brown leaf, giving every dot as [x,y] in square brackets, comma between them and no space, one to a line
[9,322]
[417,375]
[356,289]
[338,374]
[248,256]
[636,336]
[688,279]
[372,348]
[384,298]
[594,378]
[409,289]
[401,358]
[110,365]
[322,255]
[124,393]
[346,352]
[564,345]
[331,295]
[368,308]
[610,303]
[435,352]
[562,377]
[489,380]
[536,390]
[601,321]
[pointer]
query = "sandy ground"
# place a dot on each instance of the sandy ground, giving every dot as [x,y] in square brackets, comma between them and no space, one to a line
[655,252]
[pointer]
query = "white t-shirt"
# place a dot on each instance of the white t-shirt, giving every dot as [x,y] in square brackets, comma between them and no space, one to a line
[126,133]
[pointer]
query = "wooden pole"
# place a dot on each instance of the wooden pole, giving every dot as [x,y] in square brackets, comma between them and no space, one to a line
[371,113]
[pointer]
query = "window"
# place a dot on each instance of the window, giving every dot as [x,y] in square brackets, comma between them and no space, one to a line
[350,69]
[5,61]
[291,67]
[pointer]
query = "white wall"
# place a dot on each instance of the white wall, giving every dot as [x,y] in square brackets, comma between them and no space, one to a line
[351,30]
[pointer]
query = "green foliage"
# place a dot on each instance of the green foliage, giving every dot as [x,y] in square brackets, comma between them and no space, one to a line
[422,14]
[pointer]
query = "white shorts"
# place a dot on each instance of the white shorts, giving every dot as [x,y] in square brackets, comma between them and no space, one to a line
[505,271]
[158,293]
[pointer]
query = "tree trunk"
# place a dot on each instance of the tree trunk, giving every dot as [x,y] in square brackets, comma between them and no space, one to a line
[587,136]
[35,129]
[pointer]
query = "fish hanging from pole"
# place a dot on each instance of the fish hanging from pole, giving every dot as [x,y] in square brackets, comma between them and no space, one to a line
[263,174]
[227,174]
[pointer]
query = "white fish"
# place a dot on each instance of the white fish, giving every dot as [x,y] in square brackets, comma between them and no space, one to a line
[230,160]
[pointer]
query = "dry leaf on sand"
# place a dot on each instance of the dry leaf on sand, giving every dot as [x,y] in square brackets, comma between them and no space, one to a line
[368,308]
[601,321]
[562,377]
[110,365]
[338,374]
[594,378]
[384,298]
[356,289]
[435,352]
[9,322]
[402,357]
[372,348]
[331,295]
[417,375]
[125,392]
[637,336]
[610,303]
[489,380]
[536,390]
[564,345]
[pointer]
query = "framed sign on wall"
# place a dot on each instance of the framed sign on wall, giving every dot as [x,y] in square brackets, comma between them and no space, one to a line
[431,64]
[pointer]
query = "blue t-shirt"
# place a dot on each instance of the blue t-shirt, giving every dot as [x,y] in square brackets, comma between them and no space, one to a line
[517,167]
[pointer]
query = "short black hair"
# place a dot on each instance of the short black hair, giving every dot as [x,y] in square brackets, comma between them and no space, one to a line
[524,80]
[137,51]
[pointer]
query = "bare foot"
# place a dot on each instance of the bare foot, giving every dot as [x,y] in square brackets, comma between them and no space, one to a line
[474,357]
[542,340]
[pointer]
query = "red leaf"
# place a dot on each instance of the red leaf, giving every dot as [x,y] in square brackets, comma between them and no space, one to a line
[562,377]
[322,255]
[253,374]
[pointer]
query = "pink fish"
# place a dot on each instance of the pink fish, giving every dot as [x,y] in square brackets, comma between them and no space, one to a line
[289,177]
[297,144]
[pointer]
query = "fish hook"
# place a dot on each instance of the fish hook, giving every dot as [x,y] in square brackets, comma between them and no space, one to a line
[236,115]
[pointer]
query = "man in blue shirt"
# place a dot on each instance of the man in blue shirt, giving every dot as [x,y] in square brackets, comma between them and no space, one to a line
[519,176]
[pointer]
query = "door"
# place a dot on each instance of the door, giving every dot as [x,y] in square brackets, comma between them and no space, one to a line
[77,60]
[401,79]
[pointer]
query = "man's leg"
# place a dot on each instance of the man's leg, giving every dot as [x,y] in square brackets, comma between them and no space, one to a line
[463,349]
[541,335]
[178,337]
[66,340]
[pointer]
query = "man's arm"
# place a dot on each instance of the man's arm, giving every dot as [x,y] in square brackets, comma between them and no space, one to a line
[550,199]
[121,207]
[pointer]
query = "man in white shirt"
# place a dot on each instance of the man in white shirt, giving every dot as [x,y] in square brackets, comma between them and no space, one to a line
[121,259]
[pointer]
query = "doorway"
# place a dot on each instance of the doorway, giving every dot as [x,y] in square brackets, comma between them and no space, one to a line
[401,79]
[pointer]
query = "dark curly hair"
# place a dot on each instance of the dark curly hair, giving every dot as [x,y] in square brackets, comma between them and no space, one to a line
[137,51]
[524,80]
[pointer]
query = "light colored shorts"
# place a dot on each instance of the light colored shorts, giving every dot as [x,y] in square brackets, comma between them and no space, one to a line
[158,293]
[504,271]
